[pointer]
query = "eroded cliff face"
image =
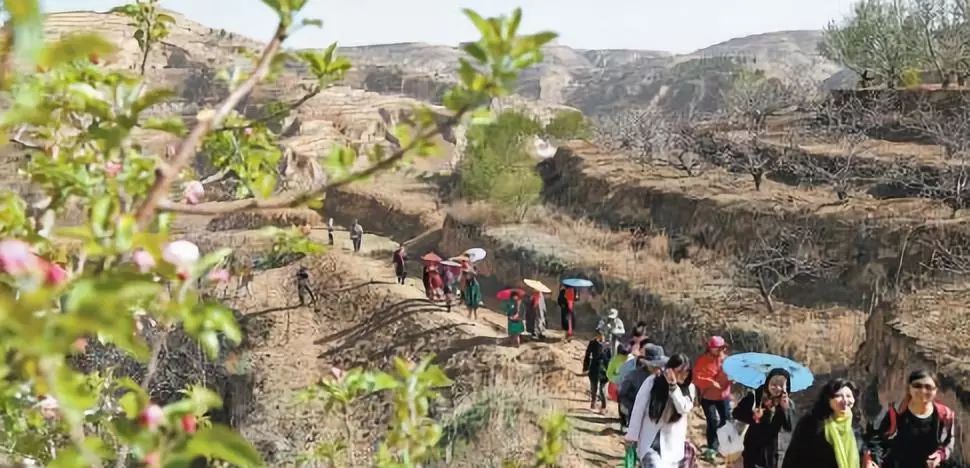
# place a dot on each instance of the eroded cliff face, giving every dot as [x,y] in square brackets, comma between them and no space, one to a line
[892,350]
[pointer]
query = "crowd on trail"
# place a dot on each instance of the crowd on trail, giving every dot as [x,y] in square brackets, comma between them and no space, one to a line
[655,394]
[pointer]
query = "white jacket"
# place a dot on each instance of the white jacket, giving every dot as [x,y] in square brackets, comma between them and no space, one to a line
[643,430]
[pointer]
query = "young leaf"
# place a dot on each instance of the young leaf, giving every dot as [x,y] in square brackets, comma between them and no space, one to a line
[75,47]
[222,443]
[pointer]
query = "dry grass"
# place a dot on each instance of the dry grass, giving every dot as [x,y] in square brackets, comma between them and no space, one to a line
[283,218]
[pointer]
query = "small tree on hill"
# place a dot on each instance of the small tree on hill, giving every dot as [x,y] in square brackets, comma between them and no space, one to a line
[636,132]
[497,167]
[878,41]
[568,125]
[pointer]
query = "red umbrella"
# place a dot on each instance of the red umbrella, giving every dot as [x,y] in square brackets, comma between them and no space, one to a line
[506,294]
[431,257]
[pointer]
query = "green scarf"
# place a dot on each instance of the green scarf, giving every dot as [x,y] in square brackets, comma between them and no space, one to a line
[838,433]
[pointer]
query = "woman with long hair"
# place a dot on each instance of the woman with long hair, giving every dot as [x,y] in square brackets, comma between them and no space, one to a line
[658,420]
[919,432]
[829,436]
[767,411]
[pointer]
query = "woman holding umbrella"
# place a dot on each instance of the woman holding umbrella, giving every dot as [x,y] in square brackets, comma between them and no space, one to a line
[472,294]
[767,411]
[535,317]
[513,310]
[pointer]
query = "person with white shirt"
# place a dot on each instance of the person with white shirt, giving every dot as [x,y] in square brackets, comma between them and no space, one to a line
[658,421]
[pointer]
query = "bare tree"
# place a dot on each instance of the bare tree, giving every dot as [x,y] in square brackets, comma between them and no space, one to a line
[636,132]
[748,154]
[679,145]
[752,98]
[836,171]
[780,259]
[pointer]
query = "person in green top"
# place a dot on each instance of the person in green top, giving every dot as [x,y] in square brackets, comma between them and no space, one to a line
[472,295]
[513,309]
[613,375]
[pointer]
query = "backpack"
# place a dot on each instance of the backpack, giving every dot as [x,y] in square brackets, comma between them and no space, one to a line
[947,419]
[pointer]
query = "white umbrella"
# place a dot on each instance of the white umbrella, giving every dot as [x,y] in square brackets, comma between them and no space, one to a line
[475,255]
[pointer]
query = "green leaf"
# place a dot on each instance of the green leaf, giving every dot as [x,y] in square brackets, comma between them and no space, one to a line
[222,443]
[76,46]
[28,30]
[543,38]
[150,98]
[173,125]
[131,404]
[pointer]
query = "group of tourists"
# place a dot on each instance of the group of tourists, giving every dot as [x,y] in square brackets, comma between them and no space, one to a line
[655,395]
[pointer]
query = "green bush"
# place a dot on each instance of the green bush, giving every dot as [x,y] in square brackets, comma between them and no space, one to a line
[497,166]
[568,125]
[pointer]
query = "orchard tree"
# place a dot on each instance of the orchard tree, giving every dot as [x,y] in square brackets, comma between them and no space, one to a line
[877,41]
[119,273]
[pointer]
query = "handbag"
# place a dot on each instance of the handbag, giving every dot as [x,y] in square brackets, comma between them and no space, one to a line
[613,391]
[730,436]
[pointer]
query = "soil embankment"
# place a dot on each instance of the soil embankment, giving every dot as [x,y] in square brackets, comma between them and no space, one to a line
[873,242]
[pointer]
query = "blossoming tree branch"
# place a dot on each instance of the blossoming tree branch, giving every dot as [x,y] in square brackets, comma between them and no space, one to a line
[94,257]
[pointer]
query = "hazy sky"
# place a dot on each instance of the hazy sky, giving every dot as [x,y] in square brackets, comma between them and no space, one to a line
[673,25]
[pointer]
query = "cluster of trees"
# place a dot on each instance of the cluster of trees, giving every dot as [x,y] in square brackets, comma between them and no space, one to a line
[892,42]
[499,166]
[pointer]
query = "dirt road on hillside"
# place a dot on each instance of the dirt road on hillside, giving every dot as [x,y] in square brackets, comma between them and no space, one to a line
[302,343]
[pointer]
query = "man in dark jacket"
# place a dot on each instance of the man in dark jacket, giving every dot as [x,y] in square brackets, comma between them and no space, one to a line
[594,365]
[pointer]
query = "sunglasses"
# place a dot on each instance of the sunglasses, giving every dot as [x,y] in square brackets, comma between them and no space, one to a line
[923,386]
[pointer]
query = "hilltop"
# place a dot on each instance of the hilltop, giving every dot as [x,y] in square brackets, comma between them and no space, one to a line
[594,81]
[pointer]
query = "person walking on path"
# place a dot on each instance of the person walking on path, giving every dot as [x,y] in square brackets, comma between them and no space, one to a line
[612,328]
[920,431]
[829,435]
[651,362]
[767,411]
[536,316]
[400,258]
[514,312]
[715,390]
[595,362]
[567,303]
[303,286]
[658,421]
[620,357]
[356,235]
[472,295]
[330,230]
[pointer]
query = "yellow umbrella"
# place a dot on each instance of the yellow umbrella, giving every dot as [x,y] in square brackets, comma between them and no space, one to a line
[537,285]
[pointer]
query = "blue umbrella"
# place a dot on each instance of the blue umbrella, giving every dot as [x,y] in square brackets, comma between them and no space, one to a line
[577,283]
[750,369]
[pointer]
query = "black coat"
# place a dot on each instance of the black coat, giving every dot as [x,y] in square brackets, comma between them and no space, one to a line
[761,439]
[809,449]
[596,359]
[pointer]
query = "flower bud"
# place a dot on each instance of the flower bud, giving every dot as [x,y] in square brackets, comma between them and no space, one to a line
[17,258]
[189,423]
[151,417]
[181,253]
[193,192]
[143,260]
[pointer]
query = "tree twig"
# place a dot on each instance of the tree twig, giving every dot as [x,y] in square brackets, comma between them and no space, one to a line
[166,174]
[295,199]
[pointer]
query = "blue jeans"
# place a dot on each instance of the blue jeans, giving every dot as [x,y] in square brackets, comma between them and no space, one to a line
[717,413]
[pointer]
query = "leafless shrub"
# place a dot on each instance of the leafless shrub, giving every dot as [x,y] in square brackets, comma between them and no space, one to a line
[636,132]
[748,154]
[781,258]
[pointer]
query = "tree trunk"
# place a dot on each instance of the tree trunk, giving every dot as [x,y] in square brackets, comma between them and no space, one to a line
[766,296]
[757,176]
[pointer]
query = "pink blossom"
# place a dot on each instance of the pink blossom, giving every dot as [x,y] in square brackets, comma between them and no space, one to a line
[181,253]
[248,131]
[337,373]
[193,193]
[151,417]
[112,168]
[49,407]
[55,275]
[17,258]
[143,260]
[218,275]
[153,460]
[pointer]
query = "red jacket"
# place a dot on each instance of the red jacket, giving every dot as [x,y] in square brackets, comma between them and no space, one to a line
[707,370]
